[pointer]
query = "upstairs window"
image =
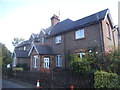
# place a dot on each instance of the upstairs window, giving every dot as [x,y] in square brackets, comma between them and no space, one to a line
[42,40]
[108,30]
[57,39]
[79,34]
[80,54]
[59,61]
[24,48]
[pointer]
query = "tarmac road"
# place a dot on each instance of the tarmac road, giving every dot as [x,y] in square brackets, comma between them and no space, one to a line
[15,85]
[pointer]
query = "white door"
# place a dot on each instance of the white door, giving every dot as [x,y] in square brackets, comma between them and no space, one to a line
[46,63]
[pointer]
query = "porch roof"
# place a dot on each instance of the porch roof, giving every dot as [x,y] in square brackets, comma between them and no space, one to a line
[21,53]
[42,49]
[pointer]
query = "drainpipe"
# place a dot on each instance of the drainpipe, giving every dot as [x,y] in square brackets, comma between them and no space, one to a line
[101,34]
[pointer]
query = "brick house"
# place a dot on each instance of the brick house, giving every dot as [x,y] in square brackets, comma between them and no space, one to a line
[50,47]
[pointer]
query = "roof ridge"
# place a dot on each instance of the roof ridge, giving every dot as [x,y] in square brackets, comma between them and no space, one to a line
[40,44]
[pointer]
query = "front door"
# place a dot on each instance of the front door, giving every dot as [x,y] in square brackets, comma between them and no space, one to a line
[46,62]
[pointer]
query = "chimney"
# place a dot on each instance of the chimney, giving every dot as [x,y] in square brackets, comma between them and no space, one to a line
[54,20]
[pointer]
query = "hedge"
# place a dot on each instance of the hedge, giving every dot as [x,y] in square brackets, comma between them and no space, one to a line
[106,80]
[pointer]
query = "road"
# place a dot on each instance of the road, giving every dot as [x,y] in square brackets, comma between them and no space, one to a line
[10,84]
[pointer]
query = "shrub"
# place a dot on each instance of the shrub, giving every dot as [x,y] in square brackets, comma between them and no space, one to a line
[17,69]
[79,65]
[106,80]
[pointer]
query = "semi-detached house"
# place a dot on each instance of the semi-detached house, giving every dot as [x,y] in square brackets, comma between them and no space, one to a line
[48,49]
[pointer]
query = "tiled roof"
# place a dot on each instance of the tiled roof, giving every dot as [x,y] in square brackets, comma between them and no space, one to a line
[68,24]
[21,53]
[43,49]
[34,35]
[23,43]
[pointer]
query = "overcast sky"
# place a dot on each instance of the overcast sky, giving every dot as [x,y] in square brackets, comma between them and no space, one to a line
[20,18]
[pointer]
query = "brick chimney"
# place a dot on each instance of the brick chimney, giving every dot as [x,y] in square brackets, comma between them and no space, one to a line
[54,20]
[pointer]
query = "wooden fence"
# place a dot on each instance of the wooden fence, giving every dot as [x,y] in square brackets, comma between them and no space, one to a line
[55,79]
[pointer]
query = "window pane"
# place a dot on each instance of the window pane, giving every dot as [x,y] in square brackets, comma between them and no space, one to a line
[107,30]
[58,39]
[79,34]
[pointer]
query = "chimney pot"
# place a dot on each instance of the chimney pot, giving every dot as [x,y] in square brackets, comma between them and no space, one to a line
[54,19]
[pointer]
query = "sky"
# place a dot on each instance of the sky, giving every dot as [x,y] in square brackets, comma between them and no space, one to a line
[20,18]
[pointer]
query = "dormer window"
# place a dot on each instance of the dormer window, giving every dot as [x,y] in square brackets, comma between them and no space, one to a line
[57,39]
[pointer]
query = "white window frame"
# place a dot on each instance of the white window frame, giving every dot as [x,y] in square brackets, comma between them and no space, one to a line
[35,59]
[108,30]
[47,62]
[80,54]
[79,34]
[57,39]
[59,61]
[24,48]
[14,62]
[42,40]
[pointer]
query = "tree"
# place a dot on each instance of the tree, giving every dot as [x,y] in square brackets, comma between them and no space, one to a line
[17,41]
[5,55]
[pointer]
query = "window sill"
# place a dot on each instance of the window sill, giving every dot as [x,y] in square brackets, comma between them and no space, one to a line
[57,43]
[80,38]
[59,66]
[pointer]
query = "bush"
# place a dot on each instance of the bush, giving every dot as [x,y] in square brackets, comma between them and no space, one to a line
[17,69]
[79,65]
[106,80]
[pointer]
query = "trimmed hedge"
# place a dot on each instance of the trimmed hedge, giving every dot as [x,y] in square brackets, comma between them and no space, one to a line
[106,80]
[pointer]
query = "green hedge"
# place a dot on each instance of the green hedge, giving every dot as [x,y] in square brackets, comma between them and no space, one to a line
[106,80]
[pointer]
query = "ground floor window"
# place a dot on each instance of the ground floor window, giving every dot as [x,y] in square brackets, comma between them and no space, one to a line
[80,54]
[14,62]
[58,61]
[35,59]
[46,62]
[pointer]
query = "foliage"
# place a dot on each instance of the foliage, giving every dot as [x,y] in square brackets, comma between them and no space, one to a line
[17,41]
[79,65]
[113,61]
[24,66]
[106,80]
[17,69]
[5,55]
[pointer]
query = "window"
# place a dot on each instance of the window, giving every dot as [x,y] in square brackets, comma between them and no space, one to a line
[24,47]
[42,41]
[35,58]
[58,39]
[14,62]
[79,34]
[46,63]
[80,54]
[59,61]
[108,30]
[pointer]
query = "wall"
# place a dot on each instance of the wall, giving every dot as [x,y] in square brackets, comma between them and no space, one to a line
[69,43]
[108,43]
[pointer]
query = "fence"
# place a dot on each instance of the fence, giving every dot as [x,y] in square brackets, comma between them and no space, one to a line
[54,79]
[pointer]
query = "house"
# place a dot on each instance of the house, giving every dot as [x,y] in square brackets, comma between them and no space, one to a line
[50,47]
